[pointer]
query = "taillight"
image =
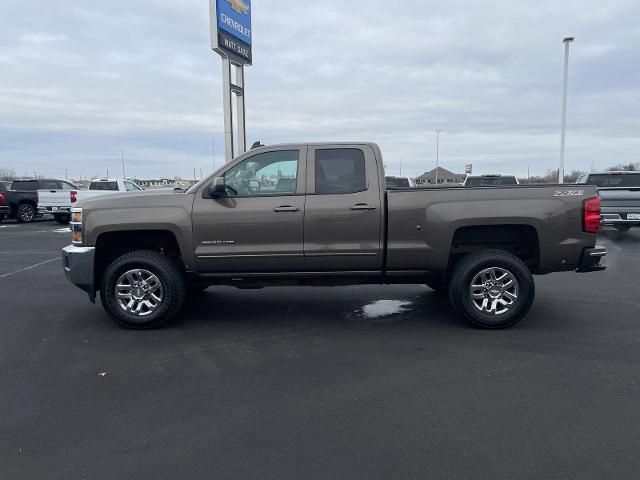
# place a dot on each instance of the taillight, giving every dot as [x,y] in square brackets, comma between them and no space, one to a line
[74,196]
[3,199]
[591,215]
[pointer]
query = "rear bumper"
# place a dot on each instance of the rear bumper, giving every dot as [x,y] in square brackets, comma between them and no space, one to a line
[4,210]
[78,268]
[613,219]
[55,210]
[592,260]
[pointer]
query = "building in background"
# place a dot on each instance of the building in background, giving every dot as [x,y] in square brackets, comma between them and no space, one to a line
[444,176]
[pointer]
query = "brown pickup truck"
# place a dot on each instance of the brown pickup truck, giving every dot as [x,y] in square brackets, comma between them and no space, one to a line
[319,214]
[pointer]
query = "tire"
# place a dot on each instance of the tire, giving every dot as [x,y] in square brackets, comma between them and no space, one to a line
[493,288]
[26,213]
[160,270]
[63,218]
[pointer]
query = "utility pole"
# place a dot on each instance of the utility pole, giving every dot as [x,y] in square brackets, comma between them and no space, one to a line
[66,174]
[213,151]
[437,153]
[200,174]
[566,42]
[122,158]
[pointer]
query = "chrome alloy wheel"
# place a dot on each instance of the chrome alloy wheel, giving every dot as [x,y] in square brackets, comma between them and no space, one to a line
[139,292]
[494,290]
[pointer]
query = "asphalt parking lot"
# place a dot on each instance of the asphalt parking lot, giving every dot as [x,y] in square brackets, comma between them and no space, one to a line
[317,382]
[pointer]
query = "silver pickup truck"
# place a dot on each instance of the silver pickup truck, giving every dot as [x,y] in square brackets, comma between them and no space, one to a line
[319,214]
[620,195]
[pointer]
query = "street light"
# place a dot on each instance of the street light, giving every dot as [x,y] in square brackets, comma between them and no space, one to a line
[437,152]
[566,42]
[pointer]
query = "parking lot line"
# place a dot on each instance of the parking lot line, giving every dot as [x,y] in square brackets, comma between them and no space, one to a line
[30,267]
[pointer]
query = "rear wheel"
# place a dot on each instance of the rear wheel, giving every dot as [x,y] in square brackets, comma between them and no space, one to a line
[26,213]
[492,289]
[62,218]
[142,289]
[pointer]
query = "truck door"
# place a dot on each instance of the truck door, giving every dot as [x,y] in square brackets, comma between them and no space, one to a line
[257,226]
[343,213]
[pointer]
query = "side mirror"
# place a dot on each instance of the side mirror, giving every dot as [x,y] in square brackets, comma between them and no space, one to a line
[217,188]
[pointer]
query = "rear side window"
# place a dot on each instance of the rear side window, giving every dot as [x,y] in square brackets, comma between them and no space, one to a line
[49,185]
[24,185]
[620,180]
[103,186]
[340,170]
[397,182]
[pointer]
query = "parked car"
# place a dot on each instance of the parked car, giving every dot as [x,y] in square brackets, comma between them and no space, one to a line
[106,186]
[620,195]
[334,223]
[54,196]
[490,180]
[393,182]
[23,206]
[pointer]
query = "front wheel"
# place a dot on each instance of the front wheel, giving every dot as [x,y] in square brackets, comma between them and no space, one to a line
[143,289]
[492,289]
[26,213]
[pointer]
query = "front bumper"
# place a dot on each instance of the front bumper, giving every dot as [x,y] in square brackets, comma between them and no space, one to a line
[591,260]
[78,268]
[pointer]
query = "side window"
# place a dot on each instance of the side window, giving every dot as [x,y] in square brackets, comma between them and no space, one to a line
[340,170]
[269,173]
[131,187]
[49,185]
[67,186]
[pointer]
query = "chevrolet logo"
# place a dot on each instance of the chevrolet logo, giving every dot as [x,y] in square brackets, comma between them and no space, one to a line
[239,6]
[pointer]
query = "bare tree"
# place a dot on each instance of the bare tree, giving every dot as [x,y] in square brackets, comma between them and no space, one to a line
[7,174]
[625,167]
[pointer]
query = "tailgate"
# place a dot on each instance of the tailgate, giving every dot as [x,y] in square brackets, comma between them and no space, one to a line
[620,197]
[51,199]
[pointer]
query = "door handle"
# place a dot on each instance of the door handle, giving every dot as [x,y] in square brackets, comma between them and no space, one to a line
[362,206]
[286,208]
[52,191]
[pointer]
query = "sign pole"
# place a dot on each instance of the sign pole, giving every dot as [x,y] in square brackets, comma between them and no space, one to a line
[228,114]
[231,38]
[242,136]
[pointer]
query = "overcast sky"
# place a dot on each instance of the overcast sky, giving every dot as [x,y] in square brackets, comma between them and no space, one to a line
[79,81]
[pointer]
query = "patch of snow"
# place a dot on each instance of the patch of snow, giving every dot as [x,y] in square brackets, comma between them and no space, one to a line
[383,308]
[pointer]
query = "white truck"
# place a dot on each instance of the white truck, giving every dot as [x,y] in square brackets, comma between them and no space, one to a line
[105,186]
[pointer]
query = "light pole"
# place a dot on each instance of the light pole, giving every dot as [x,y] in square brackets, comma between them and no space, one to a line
[122,158]
[437,152]
[566,42]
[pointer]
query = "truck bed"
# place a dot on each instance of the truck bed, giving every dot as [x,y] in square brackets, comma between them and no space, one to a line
[424,226]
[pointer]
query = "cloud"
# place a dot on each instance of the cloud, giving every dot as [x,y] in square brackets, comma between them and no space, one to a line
[81,81]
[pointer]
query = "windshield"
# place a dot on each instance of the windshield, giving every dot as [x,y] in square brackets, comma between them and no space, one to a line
[103,186]
[614,180]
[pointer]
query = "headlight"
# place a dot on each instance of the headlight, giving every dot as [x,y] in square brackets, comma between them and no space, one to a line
[76,225]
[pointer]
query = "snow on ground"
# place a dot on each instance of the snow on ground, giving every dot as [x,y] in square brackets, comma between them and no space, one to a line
[383,308]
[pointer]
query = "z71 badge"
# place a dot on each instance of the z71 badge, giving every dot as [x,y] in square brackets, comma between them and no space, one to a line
[568,193]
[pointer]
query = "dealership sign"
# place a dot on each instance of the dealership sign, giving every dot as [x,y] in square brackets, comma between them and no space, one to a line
[231,29]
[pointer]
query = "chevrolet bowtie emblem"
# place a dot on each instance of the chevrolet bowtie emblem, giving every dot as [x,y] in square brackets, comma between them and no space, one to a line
[239,6]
